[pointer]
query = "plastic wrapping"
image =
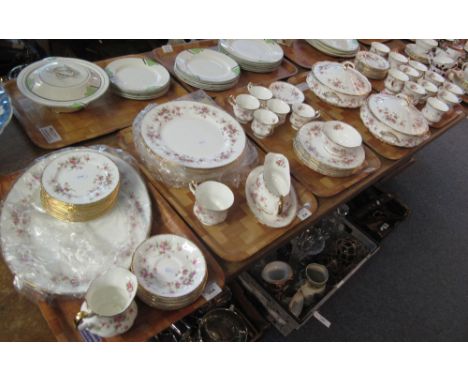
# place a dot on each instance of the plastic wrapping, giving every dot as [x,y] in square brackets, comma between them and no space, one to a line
[50,257]
[176,175]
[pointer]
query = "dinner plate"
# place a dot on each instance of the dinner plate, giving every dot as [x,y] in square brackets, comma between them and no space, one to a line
[193,134]
[169,266]
[80,177]
[60,258]
[261,52]
[287,92]
[330,51]
[397,114]
[6,109]
[207,65]
[203,85]
[275,221]
[138,76]
[341,45]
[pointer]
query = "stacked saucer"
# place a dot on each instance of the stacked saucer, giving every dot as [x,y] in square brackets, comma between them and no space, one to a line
[394,120]
[345,48]
[79,186]
[372,65]
[138,78]
[260,56]
[206,69]
[331,148]
[171,272]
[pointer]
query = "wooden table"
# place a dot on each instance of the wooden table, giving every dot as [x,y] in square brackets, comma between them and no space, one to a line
[17,152]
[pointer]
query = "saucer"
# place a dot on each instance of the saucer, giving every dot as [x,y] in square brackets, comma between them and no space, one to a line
[274,221]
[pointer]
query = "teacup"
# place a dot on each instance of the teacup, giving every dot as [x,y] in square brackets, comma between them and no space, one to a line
[434,110]
[109,308]
[396,59]
[244,106]
[301,114]
[455,54]
[280,108]
[276,174]
[264,123]
[452,88]
[340,137]
[414,91]
[412,73]
[442,60]
[431,89]
[434,77]
[212,201]
[460,77]
[277,273]
[426,44]
[265,199]
[395,80]
[380,49]
[449,98]
[262,93]
[419,67]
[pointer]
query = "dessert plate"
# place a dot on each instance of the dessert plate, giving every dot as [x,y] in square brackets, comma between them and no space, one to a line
[286,92]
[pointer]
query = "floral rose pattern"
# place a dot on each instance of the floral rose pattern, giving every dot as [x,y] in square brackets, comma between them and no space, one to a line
[286,92]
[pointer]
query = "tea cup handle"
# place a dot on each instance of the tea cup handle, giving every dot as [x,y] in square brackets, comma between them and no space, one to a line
[193,187]
[404,97]
[317,114]
[348,64]
[80,316]
[232,100]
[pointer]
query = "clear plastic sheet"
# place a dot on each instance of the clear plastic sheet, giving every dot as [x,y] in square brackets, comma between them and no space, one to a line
[178,176]
[50,257]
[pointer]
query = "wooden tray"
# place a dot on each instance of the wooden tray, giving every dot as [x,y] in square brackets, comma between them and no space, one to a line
[241,236]
[149,321]
[282,142]
[287,69]
[303,54]
[109,113]
[352,117]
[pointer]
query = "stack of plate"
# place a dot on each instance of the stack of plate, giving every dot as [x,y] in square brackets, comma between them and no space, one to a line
[138,78]
[64,84]
[188,141]
[206,69]
[260,56]
[393,120]
[337,48]
[171,272]
[79,186]
[331,148]
[372,65]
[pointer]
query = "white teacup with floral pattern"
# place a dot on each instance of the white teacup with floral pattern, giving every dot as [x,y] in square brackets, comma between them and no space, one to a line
[280,108]
[452,88]
[412,73]
[414,91]
[395,80]
[431,89]
[109,308]
[302,114]
[380,49]
[434,110]
[434,77]
[449,98]
[396,59]
[426,44]
[262,93]
[212,201]
[244,106]
[264,123]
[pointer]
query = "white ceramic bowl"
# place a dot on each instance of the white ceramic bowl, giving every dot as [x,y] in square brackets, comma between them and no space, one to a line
[342,134]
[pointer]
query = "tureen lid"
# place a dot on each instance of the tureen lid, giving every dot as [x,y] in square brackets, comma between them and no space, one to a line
[342,78]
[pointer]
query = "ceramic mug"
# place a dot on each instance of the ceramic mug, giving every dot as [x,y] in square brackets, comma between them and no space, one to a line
[414,91]
[395,80]
[301,114]
[244,106]
[448,98]
[264,123]
[396,59]
[380,49]
[212,201]
[434,77]
[277,273]
[434,110]
[280,108]
[262,93]
[109,308]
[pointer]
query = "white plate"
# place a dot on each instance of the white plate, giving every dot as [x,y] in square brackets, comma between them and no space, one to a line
[193,134]
[275,221]
[287,92]
[263,52]
[397,114]
[203,85]
[137,75]
[80,177]
[311,139]
[61,258]
[169,266]
[62,82]
[329,51]
[341,78]
[207,66]
[342,45]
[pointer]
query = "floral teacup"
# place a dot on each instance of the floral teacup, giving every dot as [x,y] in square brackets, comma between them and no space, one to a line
[280,108]
[395,80]
[414,91]
[262,93]
[244,106]
[109,308]
[434,110]
[380,49]
[396,59]
[264,123]
[302,113]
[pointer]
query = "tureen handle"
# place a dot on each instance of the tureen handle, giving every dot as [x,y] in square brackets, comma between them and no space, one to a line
[348,64]
[405,98]
[391,134]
